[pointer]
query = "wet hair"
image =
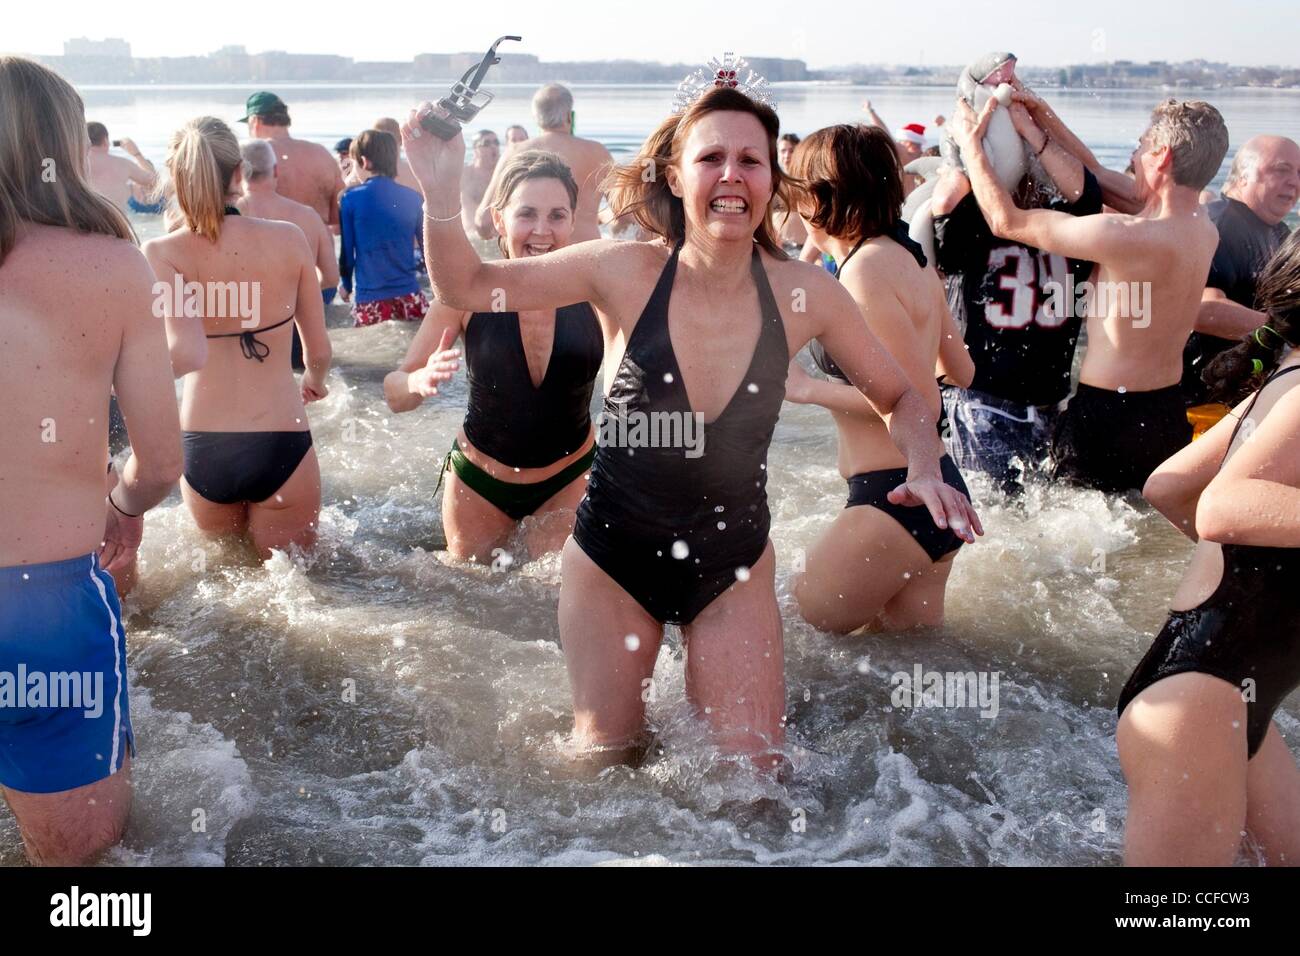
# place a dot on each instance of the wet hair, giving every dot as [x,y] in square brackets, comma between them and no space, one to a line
[380,148]
[1197,137]
[259,160]
[202,158]
[43,129]
[1234,374]
[532,164]
[97,132]
[552,105]
[640,188]
[852,180]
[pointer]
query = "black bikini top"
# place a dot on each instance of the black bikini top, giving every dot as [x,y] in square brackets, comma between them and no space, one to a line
[249,343]
[898,232]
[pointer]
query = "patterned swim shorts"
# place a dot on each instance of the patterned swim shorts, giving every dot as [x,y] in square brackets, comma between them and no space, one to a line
[409,308]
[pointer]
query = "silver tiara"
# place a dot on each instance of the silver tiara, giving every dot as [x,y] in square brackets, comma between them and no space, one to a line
[724,74]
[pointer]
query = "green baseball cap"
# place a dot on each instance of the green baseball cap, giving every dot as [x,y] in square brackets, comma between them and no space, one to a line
[259,104]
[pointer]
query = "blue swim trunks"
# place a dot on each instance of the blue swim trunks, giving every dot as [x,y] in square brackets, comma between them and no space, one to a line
[327,295]
[64,718]
[147,209]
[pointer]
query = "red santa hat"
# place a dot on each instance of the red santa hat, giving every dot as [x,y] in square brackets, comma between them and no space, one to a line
[912,133]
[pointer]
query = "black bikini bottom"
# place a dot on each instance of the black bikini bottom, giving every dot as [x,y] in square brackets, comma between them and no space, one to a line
[230,468]
[871,487]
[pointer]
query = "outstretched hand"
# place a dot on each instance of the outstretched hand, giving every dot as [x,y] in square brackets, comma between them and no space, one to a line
[437,163]
[441,367]
[967,129]
[948,507]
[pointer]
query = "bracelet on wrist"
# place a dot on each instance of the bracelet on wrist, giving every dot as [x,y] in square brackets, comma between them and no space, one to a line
[125,514]
[451,218]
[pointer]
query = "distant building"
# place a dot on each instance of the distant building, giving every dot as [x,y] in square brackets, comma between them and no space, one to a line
[84,47]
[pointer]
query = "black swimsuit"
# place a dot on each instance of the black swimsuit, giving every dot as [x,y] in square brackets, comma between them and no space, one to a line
[520,424]
[234,467]
[873,487]
[676,526]
[1247,630]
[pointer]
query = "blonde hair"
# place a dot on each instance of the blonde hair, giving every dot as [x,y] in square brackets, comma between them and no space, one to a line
[43,146]
[202,158]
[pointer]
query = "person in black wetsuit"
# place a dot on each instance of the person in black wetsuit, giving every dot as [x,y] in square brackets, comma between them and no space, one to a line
[527,442]
[879,564]
[1261,190]
[699,328]
[249,463]
[1203,761]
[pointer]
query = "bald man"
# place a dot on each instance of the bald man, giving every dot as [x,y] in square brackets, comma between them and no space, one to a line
[1261,190]
[589,161]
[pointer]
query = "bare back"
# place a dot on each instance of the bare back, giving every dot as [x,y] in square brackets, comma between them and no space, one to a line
[67,302]
[111,176]
[308,174]
[271,205]
[270,266]
[589,161]
[904,306]
[1146,301]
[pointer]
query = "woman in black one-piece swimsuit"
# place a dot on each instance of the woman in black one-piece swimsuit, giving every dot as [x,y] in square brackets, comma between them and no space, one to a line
[1203,760]
[699,328]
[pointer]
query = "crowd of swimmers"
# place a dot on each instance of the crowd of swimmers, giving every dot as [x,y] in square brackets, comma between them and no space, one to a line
[697,319]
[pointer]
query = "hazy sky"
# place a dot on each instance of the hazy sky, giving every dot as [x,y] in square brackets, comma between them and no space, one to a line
[1040,32]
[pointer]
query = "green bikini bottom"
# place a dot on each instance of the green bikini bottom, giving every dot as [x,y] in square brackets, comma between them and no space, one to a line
[516,500]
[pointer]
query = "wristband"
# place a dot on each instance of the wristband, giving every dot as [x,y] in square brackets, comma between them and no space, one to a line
[125,514]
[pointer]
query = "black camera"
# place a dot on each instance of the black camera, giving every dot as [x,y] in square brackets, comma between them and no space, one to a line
[465,100]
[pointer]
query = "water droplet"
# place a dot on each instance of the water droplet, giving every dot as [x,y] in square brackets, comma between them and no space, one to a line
[752,387]
[668,377]
[1121,389]
[631,642]
[722,526]
[719,509]
[680,550]
[864,666]
[742,574]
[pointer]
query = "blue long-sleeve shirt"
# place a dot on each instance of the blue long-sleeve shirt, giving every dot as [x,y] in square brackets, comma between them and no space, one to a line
[380,222]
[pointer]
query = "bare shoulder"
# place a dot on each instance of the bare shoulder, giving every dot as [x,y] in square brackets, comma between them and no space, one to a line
[788,277]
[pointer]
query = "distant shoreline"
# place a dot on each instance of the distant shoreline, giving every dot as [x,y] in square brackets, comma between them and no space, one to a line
[790,84]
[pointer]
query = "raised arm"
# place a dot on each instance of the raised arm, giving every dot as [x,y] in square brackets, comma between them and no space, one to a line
[1101,238]
[142,171]
[186,344]
[1118,191]
[578,273]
